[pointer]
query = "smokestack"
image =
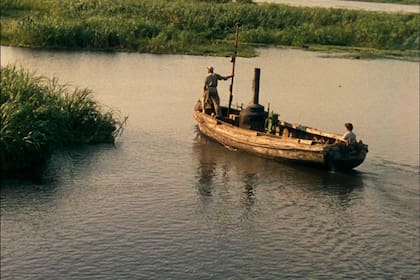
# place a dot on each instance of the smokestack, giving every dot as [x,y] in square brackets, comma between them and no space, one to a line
[256,85]
[253,116]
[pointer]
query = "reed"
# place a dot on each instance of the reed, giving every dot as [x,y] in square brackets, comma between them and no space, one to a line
[199,27]
[39,115]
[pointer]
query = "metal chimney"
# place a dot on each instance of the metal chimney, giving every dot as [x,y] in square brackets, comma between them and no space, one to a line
[256,85]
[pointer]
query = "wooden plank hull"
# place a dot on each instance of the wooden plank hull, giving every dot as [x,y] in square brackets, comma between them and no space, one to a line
[331,156]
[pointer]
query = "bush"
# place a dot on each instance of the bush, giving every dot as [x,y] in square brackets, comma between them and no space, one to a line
[38,115]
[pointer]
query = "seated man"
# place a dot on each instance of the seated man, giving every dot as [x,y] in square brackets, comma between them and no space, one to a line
[349,137]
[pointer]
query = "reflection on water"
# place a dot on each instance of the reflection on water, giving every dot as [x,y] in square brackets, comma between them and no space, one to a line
[328,214]
[46,183]
[253,172]
[250,183]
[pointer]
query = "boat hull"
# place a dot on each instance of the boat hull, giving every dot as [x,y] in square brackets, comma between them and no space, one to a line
[330,156]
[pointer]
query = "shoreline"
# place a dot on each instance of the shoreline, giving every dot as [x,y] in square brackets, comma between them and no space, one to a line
[351,5]
[336,51]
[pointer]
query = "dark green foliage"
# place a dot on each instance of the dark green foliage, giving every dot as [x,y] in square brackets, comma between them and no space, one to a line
[198,26]
[38,115]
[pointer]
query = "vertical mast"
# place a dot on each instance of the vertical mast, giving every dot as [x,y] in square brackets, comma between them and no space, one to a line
[237,25]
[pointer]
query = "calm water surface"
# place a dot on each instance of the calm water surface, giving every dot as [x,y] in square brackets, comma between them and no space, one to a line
[166,203]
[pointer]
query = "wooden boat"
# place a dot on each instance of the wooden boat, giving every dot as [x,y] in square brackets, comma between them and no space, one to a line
[260,132]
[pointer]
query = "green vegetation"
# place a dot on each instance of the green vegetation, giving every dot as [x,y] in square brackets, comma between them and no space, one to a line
[199,27]
[38,115]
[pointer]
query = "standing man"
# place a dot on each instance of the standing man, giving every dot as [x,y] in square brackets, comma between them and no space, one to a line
[210,90]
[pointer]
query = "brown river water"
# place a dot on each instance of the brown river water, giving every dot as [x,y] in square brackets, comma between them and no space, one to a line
[167,203]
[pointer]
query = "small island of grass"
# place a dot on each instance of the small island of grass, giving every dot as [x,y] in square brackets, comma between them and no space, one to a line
[38,115]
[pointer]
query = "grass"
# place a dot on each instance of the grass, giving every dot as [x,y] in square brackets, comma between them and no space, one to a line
[200,27]
[39,115]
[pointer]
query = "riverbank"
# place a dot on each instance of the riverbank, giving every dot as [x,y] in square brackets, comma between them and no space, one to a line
[391,6]
[403,2]
[39,115]
[201,28]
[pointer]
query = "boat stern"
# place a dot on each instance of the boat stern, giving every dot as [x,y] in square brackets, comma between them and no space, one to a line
[344,156]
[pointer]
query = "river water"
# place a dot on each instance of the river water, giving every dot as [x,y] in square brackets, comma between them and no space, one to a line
[166,203]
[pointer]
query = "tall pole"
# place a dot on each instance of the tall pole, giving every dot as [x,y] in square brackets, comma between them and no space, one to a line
[237,25]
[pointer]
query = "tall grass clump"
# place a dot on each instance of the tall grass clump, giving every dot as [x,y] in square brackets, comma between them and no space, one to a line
[39,115]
